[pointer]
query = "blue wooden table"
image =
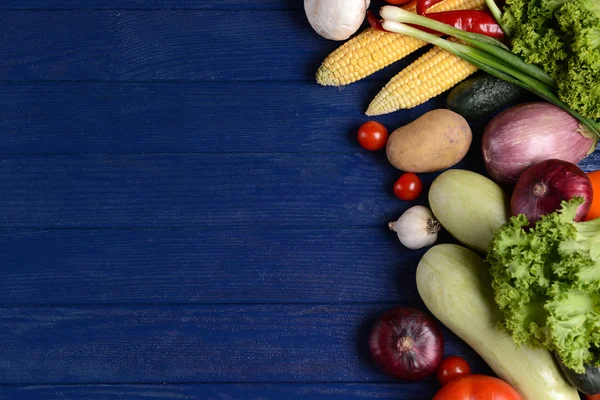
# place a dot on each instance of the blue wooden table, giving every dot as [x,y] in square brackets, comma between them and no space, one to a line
[185,213]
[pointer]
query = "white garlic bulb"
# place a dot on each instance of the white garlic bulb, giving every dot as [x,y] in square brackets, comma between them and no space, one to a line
[416,228]
[336,19]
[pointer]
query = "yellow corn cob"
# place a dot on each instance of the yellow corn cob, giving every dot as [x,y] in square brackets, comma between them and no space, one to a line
[412,6]
[430,75]
[373,50]
[364,55]
[449,5]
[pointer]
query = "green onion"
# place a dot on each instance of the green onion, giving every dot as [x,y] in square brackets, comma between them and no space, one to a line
[492,64]
[491,4]
[482,42]
[400,15]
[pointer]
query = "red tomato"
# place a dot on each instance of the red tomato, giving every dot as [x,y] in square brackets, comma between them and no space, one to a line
[592,397]
[595,210]
[477,387]
[398,2]
[372,135]
[408,187]
[451,369]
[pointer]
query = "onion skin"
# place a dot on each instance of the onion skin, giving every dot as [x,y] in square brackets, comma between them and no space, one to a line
[542,187]
[407,343]
[524,135]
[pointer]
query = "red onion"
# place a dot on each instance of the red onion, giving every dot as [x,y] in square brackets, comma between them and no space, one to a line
[529,133]
[407,343]
[542,187]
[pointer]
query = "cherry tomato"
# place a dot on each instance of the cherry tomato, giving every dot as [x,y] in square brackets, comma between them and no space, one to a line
[408,187]
[595,210]
[398,2]
[592,397]
[372,135]
[477,387]
[451,369]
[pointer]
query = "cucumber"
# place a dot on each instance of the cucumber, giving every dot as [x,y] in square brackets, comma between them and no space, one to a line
[588,382]
[455,285]
[469,206]
[481,95]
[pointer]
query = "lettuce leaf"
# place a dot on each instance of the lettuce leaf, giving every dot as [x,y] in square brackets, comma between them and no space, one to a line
[563,38]
[546,281]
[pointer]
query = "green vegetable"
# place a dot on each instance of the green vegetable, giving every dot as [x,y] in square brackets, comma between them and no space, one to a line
[563,37]
[454,284]
[497,13]
[486,54]
[547,283]
[588,382]
[481,95]
[469,206]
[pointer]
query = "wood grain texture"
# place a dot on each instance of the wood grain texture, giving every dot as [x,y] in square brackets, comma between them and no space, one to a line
[205,266]
[591,162]
[201,191]
[154,4]
[159,45]
[155,344]
[187,117]
[229,239]
[210,190]
[288,391]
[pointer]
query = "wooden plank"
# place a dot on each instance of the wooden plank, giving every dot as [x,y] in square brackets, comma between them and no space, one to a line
[160,45]
[156,344]
[154,4]
[210,190]
[208,266]
[591,163]
[203,191]
[290,391]
[191,117]
[234,5]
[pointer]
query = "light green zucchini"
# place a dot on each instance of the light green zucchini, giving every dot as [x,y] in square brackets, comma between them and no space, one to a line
[469,206]
[455,285]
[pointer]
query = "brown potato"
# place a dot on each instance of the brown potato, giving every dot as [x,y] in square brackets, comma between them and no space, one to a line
[435,141]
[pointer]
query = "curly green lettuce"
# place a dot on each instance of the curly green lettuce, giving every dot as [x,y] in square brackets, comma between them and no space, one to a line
[563,38]
[546,281]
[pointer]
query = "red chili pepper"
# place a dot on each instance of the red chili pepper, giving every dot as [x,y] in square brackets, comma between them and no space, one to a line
[374,22]
[470,21]
[424,5]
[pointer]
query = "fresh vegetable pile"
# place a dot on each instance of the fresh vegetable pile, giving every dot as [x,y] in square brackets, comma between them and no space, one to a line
[374,49]
[489,55]
[524,289]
